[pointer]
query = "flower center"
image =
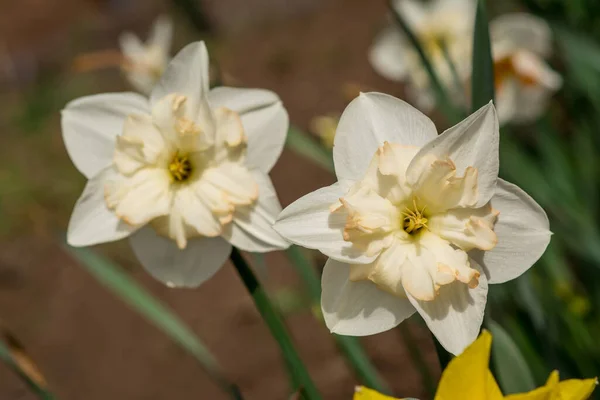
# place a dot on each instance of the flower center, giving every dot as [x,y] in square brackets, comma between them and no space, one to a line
[180,167]
[413,219]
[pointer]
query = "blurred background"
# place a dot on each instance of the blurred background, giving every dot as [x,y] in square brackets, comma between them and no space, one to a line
[314,55]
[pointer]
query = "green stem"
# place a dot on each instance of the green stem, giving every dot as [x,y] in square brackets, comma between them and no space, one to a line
[349,346]
[443,356]
[300,377]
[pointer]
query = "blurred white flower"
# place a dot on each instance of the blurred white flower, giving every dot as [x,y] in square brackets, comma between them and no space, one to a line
[185,172]
[437,24]
[416,222]
[524,82]
[144,63]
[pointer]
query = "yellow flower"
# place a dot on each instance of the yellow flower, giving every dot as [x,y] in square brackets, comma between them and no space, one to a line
[467,377]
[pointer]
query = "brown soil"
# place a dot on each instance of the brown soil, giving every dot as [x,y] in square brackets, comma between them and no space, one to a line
[91,346]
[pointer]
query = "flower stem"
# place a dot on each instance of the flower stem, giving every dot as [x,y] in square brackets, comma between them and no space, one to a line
[443,356]
[417,358]
[300,377]
[349,346]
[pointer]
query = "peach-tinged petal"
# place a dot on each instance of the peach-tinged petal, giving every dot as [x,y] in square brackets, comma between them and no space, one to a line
[473,143]
[140,198]
[439,187]
[467,228]
[229,127]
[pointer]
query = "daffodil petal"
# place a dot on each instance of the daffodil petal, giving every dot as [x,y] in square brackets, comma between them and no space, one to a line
[523,234]
[577,389]
[370,120]
[387,55]
[310,222]
[91,124]
[189,267]
[364,393]
[523,32]
[467,376]
[91,221]
[471,143]
[252,227]
[542,393]
[358,308]
[187,75]
[161,34]
[456,313]
[264,119]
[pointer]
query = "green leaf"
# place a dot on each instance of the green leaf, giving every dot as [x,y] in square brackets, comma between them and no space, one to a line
[512,371]
[304,145]
[443,101]
[28,376]
[482,84]
[111,276]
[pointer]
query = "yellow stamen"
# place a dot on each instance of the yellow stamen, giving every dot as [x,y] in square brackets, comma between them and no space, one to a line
[414,219]
[180,167]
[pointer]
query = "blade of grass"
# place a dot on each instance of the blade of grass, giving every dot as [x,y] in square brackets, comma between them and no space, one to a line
[349,346]
[13,355]
[458,82]
[482,84]
[443,100]
[111,276]
[416,357]
[511,369]
[298,372]
[301,143]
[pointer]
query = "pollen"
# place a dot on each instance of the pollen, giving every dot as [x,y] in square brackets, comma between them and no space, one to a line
[180,168]
[414,219]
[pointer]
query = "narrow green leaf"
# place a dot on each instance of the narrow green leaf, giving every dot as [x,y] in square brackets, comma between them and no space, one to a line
[510,366]
[111,276]
[349,346]
[482,84]
[7,357]
[304,145]
[298,372]
[443,100]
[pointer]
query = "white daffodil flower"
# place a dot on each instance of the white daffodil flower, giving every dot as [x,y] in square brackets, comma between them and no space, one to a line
[185,172]
[416,222]
[144,63]
[438,24]
[524,82]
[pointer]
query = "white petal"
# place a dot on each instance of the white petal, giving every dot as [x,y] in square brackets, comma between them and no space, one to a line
[252,227]
[92,222]
[534,68]
[309,222]
[414,12]
[90,125]
[265,122]
[456,314]
[161,34]
[471,143]
[523,235]
[388,54]
[370,120]
[507,95]
[131,45]
[187,75]
[522,31]
[358,308]
[189,267]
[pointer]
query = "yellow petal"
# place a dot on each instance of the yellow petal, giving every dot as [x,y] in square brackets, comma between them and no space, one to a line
[467,376]
[543,393]
[363,393]
[575,389]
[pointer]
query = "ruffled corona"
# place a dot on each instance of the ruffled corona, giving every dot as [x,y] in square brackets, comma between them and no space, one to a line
[423,229]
